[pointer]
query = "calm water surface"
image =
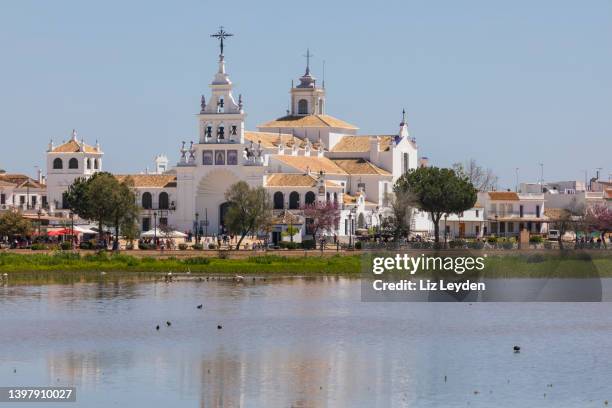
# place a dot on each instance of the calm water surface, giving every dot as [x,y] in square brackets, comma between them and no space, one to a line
[301,343]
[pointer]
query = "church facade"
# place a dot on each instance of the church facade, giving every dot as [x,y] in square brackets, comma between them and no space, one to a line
[302,157]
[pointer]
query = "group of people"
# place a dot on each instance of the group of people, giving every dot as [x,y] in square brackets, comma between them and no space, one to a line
[158,242]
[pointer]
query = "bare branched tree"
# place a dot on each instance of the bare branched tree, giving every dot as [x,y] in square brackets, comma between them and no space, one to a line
[402,204]
[483,179]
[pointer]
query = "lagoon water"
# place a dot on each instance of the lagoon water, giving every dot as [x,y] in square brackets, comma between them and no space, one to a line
[300,343]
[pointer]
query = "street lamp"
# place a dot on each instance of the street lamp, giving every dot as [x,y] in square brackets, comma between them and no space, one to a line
[155,228]
[350,225]
[72,228]
[197,227]
[206,222]
[445,229]
[39,214]
[496,224]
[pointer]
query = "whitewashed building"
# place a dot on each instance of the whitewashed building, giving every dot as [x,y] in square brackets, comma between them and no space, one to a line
[302,157]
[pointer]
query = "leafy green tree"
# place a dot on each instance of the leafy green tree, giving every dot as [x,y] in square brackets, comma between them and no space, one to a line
[125,211]
[250,209]
[103,199]
[13,224]
[75,197]
[438,191]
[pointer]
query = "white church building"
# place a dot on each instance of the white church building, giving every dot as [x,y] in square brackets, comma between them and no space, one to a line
[302,157]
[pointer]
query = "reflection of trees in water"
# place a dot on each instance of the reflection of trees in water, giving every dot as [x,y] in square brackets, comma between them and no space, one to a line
[221,381]
[86,368]
[279,377]
[94,291]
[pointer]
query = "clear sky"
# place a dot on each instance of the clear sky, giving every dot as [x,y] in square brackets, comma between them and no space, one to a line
[511,84]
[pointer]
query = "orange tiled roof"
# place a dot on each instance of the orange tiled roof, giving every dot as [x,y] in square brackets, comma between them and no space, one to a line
[315,121]
[360,166]
[503,195]
[20,180]
[149,180]
[362,143]
[310,163]
[290,180]
[72,146]
[271,139]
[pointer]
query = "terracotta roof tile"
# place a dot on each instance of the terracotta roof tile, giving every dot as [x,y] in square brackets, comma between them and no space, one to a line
[149,180]
[310,163]
[271,139]
[20,180]
[315,121]
[72,146]
[360,166]
[362,143]
[503,195]
[290,180]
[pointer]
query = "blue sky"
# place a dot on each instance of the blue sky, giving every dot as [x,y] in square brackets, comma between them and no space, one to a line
[510,84]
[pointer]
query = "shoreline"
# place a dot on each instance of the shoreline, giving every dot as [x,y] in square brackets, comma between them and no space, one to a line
[69,267]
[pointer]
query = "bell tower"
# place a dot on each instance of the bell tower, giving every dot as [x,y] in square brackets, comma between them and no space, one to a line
[306,97]
[221,120]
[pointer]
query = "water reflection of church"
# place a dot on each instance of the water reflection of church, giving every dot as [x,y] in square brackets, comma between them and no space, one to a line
[301,157]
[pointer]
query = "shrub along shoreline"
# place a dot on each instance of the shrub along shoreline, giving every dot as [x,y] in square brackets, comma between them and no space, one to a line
[67,267]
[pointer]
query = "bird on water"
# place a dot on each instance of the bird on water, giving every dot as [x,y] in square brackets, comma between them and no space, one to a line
[517,349]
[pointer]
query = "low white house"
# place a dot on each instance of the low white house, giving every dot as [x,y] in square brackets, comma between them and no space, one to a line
[507,213]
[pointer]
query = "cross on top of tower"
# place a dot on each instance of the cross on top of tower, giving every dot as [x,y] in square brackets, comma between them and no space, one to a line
[308,55]
[221,35]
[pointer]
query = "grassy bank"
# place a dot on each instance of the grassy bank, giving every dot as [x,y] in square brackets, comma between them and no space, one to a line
[67,267]
[64,267]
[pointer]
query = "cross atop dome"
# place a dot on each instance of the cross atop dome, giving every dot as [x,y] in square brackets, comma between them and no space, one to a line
[221,35]
[307,80]
[308,55]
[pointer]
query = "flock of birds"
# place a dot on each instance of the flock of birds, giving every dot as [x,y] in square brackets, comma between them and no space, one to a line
[169,278]
[169,323]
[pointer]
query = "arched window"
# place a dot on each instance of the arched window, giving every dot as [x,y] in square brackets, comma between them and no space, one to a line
[302,107]
[309,198]
[73,163]
[221,132]
[320,106]
[279,201]
[88,161]
[147,201]
[163,203]
[335,197]
[58,164]
[294,200]
[96,164]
